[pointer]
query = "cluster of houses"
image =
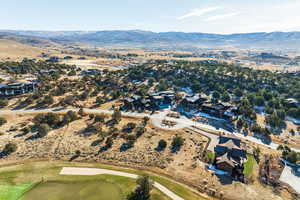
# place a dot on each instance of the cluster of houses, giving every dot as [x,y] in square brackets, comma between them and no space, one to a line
[231,156]
[90,72]
[189,104]
[196,104]
[14,89]
[151,102]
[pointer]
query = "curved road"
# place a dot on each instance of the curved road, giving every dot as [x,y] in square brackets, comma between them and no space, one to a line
[97,171]
[182,122]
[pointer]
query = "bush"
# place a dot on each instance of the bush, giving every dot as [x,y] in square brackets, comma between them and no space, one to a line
[2,121]
[131,140]
[10,148]
[177,143]
[109,142]
[162,144]
[3,103]
[26,130]
[91,116]
[43,130]
[51,119]
[99,118]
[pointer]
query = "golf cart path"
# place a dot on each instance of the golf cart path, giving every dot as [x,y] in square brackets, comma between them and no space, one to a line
[98,171]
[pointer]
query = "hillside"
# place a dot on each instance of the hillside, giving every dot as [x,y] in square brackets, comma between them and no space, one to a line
[16,51]
[273,40]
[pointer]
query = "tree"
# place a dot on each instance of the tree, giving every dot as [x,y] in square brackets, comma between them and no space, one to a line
[117,115]
[177,143]
[238,92]
[109,142]
[99,118]
[143,189]
[43,130]
[91,116]
[48,100]
[2,121]
[162,144]
[256,153]
[131,140]
[3,103]
[10,148]
[140,130]
[73,115]
[216,95]
[239,124]
[81,112]
[100,100]
[145,120]
[259,101]
[225,97]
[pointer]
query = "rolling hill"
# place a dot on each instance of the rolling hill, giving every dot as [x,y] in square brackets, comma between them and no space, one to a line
[138,38]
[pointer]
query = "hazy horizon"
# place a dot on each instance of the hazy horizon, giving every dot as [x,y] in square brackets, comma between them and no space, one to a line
[207,16]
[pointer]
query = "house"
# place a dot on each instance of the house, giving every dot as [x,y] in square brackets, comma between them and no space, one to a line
[15,89]
[163,99]
[220,110]
[293,102]
[230,154]
[190,102]
[90,72]
[153,101]
[53,59]
[47,72]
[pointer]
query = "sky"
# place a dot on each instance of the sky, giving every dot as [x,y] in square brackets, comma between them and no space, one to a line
[209,16]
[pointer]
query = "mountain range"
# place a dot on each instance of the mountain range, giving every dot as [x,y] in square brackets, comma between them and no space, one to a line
[139,38]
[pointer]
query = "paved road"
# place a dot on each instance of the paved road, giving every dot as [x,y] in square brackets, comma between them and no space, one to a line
[97,171]
[214,139]
[182,122]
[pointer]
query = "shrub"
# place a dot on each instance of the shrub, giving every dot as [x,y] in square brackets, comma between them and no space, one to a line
[25,130]
[43,130]
[177,143]
[3,103]
[2,121]
[162,144]
[91,116]
[99,118]
[109,142]
[10,148]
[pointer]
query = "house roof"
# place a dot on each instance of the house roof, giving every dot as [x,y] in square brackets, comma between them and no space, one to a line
[225,158]
[231,136]
[230,145]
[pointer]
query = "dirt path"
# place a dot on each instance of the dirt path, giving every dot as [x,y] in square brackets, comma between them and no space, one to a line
[97,171]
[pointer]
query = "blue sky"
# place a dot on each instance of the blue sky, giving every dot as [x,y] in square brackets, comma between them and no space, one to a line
[211,16]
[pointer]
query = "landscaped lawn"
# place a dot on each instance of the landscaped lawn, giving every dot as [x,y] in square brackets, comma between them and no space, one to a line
[211,156]
[249,164]
[13,192]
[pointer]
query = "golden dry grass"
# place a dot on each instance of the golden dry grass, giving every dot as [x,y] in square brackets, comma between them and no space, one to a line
[16,51]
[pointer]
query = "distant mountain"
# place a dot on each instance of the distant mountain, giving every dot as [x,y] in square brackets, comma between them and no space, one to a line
[273,40]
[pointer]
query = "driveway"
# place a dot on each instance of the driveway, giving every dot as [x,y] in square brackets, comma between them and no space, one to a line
[97,171]
[291,176]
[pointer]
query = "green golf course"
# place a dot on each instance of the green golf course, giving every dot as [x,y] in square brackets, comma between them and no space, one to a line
[41,180]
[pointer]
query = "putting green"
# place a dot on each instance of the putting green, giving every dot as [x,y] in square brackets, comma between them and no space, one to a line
[12,192]
[42,181]
[88,190]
